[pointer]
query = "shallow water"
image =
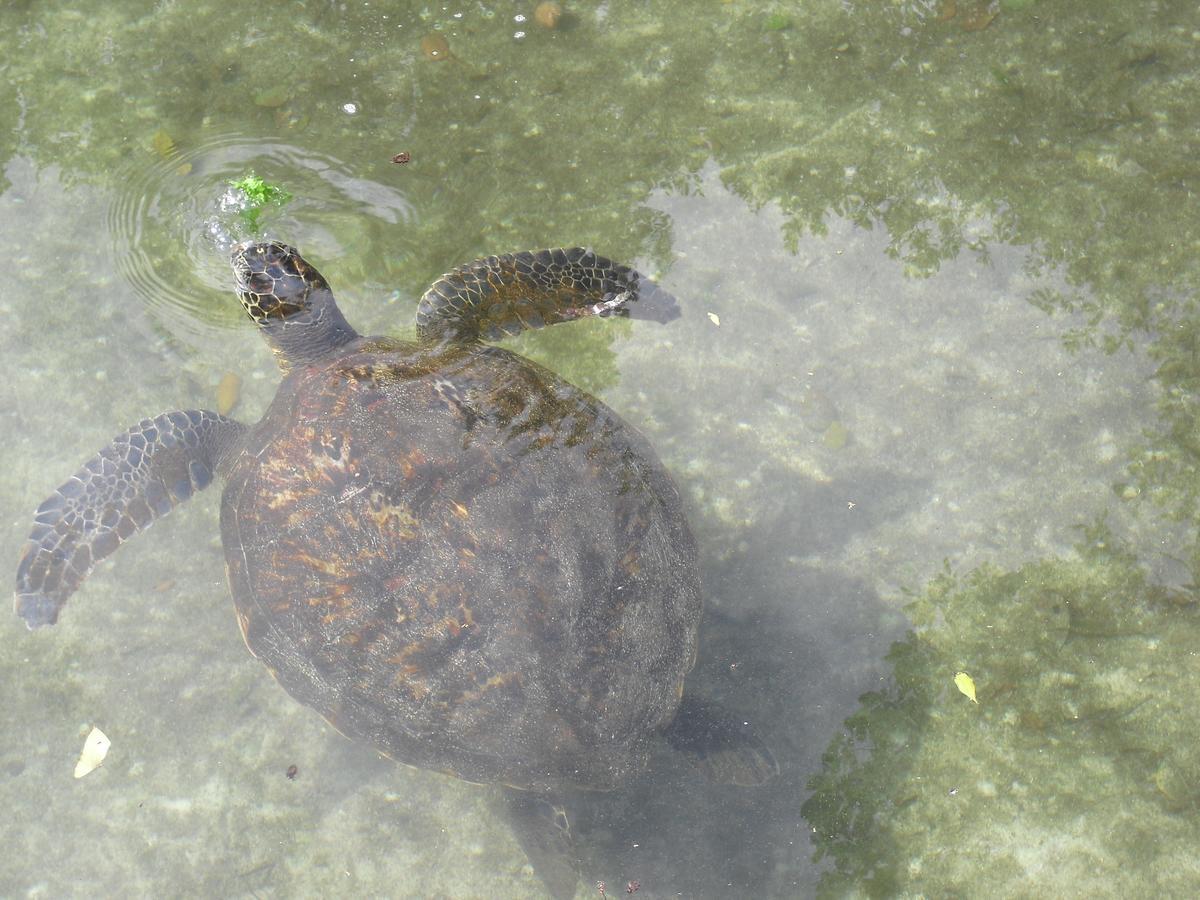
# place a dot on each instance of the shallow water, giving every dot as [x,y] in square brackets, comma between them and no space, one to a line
[939,268]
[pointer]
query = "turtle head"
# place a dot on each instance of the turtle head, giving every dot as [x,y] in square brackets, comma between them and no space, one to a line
[289,300]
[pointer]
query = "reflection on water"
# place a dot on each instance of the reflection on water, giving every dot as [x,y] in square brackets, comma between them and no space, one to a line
[950,255]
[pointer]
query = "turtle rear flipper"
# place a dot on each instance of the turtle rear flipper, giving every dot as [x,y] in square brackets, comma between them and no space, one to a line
[722,746]
[142,475]
[540,825]
[505,295]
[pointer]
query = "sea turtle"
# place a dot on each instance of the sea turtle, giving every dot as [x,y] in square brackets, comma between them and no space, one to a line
[445,549]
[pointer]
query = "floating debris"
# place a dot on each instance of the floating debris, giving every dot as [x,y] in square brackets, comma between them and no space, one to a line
[163,144]
[978,19]
[835,436]
[947,11]
[966,684]
[777,22]
[715,319]
[272,97]
[435,46]
[402,157]
[95,748]
[972,15]
[548,14]
[291,119]
[258,194]
[816,410]
[229,391]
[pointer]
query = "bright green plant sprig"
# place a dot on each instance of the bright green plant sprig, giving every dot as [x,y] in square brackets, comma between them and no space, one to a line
[259,194]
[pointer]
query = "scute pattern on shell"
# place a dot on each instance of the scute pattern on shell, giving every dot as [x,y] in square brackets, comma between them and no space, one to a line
[466,561]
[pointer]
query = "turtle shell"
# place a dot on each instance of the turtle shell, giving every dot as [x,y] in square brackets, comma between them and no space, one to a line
[468,562]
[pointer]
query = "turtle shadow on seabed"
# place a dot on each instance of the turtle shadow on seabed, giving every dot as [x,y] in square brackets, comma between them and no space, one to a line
[793,655]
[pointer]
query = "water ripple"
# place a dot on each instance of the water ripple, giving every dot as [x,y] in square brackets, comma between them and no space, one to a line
[174,218]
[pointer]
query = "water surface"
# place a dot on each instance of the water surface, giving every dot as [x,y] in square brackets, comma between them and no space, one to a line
[939,268]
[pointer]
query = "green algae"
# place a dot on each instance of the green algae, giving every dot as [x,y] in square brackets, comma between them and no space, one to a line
[776,22]
[1165,469]
[259,195]
[835,436]
[258,192]
[1084,736]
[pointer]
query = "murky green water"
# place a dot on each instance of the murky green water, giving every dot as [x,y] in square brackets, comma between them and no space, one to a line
[939,266]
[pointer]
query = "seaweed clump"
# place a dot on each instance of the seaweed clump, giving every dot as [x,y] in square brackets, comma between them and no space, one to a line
[1078,771]
[258,195]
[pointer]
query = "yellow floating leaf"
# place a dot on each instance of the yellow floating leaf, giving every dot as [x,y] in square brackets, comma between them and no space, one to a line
[966,684]
[835,436]
[228,392]
[715,319]
[95,748]
[163,145]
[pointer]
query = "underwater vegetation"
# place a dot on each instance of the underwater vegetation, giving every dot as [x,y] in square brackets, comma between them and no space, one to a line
[1076,773]
[1166,470]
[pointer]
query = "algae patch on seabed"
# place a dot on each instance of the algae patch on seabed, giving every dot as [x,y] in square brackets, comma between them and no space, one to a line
[1080,773]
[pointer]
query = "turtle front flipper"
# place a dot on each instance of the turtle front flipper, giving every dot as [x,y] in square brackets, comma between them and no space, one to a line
[142,475]
[723,747]
[505,295]
[540,825]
